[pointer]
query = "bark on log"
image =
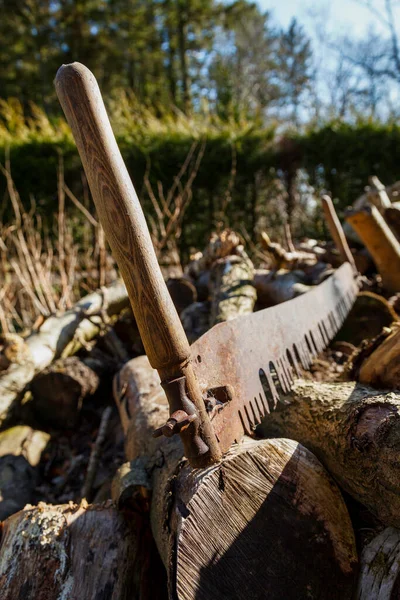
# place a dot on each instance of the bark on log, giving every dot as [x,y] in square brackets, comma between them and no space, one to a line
[354,431]
[58,392]
[379,577]
[381,368]
[368,316]
[381,243]
[20,452]
[232,290]
[59,335]
[282,259]
[76,553]
[196,320]
[274,287]
[268,518]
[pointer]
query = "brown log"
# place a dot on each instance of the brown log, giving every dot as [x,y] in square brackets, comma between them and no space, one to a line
[379,576]
[353,429]
[368,316]
[182,292]
[58,392]
[76,552]
[21,449]
[232,290]
[381,368]
[274,287]
[268,518]
[381,243]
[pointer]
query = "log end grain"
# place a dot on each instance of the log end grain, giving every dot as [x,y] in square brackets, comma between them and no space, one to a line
[268,522]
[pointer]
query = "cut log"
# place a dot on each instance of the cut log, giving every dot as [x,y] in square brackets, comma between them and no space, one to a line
[232,290]
[59,335]
[274,287]
[58,392]
[377,194]
[354,430]
[379,577]
[182,291]
[380,242]
[368,316]
[76,552]
[20,452]
[268,518]
[381,368]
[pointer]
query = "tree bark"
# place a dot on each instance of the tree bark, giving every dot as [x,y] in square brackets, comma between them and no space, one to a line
[274,287]
[268,518]
[75,552]
[379,577]
[232,290]
[59,335]
[381,368]
[354,431]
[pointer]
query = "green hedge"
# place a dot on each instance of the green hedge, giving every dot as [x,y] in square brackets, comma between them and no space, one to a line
[338,158]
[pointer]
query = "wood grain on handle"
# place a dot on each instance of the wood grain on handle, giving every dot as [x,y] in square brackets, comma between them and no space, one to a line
[122,217]
[126,230]
[336,231]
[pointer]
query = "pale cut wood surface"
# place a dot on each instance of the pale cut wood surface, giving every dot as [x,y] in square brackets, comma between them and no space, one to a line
[379,577]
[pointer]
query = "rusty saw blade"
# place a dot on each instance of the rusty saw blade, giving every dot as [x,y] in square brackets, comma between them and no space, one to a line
[255,357]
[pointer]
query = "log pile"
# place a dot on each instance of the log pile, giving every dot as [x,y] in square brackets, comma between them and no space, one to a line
[282,515]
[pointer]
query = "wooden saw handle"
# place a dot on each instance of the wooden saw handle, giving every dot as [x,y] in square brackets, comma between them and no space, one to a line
[336,231]
[126,230]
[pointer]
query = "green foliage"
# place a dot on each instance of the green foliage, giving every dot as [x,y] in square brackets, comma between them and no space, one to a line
[340,157]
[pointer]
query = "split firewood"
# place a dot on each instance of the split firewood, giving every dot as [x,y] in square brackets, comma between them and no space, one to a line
[232,290]
[380,242]
[282,259]
[336,231]
[379,576]
[274,287]
[21,449]
[268,503]
[380,366]
[369,315]
[58,335]
[352,429]
[76,552]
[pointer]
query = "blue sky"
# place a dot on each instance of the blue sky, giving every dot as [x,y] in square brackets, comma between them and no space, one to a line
[338,16]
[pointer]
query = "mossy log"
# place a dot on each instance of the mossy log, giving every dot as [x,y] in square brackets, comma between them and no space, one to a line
[268,520]
[232,290]
[76,552]
[354,430]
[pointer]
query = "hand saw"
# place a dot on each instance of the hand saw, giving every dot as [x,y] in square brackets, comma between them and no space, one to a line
[219,388]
